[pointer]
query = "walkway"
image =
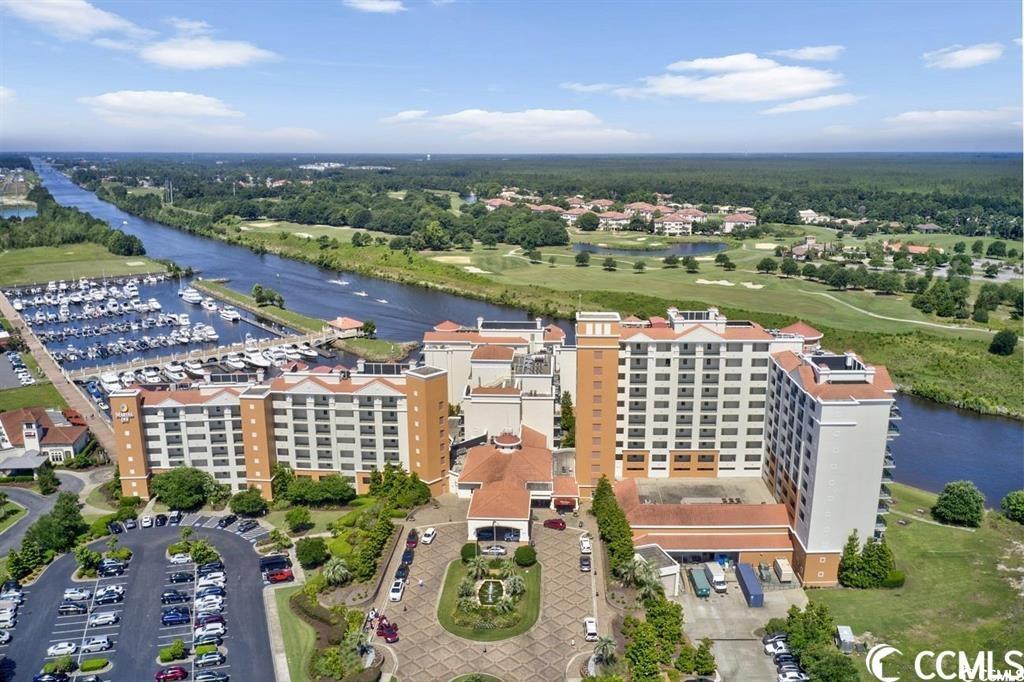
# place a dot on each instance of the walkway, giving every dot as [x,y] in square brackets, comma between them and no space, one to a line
[75,399]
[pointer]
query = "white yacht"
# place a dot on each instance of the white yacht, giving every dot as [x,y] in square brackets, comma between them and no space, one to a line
[190,295]
[209,304]
[195,368]
[174,372]
[234,361]
[256,359]
[153,304]
[305,350]
[230,314]
[183,320]
[151,375]
[110,382]
[359,293]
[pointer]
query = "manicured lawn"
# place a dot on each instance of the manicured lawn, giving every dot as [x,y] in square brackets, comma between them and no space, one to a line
[375,350]
[70,261]
[320,519]
[42,394]
[9,515]
[299,636]
[956,597]
[97,499]
[528,606]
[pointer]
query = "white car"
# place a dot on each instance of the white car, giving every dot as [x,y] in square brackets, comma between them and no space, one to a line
[209,603]
[77,594]
[428,536]
[396,591]
[5,637]
[214,575]
[62,649]
[8,611]
[590,629]
[206,582]
[107,590]
[585,545]
[210,629]
[94,644]
[100,619]
[772,648]
[12,595]
[181,559]
[793,677]
[147,521]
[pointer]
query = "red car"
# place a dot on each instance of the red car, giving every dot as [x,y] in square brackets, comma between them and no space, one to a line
[172,674]
[412,540]
[282,575]
[557,524]
[388,632]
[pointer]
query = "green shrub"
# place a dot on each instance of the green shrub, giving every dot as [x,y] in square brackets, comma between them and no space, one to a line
[129,501]
[175,652]
[469,550]
[178,548]
[121,554]
[64,664]
[204,649]
[94,664]
[526,556]
[311,552]
[894,579]
[1013,506]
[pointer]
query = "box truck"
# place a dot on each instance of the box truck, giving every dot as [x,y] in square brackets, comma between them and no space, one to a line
[715,575]
[749,585]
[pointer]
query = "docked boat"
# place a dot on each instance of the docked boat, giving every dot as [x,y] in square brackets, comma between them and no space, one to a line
[190,295]
[234,361]
[110,382]
[195,368]
[174,372]
[230,314]
[154,305]
[209,304]
[359,293]
[305,350]
[256,359]
[151,375]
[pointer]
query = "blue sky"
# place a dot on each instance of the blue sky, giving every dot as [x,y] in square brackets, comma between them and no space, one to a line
[480,76]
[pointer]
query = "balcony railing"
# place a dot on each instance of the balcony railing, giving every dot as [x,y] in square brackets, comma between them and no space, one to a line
[880,524]
[883,508]
[885,494]
[887,476]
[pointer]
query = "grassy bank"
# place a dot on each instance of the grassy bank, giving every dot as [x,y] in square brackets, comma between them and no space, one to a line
[287,318]
[376,350]
[71,261]
[41,394]
[318,517]
[299,637]
[959,594]
[950,365]
[10,514]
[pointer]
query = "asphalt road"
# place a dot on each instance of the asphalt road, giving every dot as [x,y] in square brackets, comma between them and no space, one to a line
[139,635]
[8,379]
[36,504]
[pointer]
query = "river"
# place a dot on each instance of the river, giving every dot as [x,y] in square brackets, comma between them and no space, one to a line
[938,443]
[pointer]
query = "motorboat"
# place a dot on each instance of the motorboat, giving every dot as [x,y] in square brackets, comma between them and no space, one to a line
[256,359]
[230,314]
[109,382]
[195,368]
[154,305]
[209,304]
[182,320]
[234,361]
[190,295]
[175,372]
[305,350]
[359,293]
[151,375]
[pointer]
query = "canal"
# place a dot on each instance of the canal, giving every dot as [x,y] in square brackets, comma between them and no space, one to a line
[938,443]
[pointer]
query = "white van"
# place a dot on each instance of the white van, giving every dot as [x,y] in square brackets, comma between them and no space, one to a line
[590,629]
[585,545]
[715,575]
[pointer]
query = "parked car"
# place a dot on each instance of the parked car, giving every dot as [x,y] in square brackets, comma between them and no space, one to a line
[77,594]
[174,618]
[181,577]
[585,545]
[793,677]
[402,573]
[115,528]
[585,563]
[774,637]
[207,639]
[210,676]
[557,524]
[590,629]
[5,637]
[178,559]
[226,521]
[207,582]
[130,524]
[175,517]
[211,603]
[282,575]
[274,562]
[428,535]
[111,570]
[407,556]
[215,629]
[773,648]
[174,597]
[61,649]
[96,644]
[208,660]
[51,677]
[104,618]
[161,519]
[496,550]
[211,590]
[247,525]
[70,608]
[209,618]
[147,521]
[172,674]
[212,567]
[389,632]
[397,590]
[412,539]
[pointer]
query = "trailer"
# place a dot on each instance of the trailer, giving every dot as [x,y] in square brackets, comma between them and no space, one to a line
[783,570]
[749,585]
[701,588]
[715,575]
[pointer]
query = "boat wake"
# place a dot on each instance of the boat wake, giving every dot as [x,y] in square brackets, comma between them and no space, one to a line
[339,282]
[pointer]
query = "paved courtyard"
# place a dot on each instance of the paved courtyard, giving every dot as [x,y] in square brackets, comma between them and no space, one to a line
[426,651]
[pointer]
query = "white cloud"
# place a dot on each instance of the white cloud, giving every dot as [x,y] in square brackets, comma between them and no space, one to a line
[529,126]
[588,87]
[71,19]
[838,129]
[819,53]
[6,94]
[813,104]
[140,107]
[202,52]
[960,57]
[405,116]
[189,26]
[743,77]
[376,6]
[955,119]
[744,61]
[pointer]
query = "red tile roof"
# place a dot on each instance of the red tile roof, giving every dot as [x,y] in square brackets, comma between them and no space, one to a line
[54,435]
[447,326]
[346,323]
[739,218]
[503,477]
[553,333]
[803,329]
[493,352]
[473,337]
[717,542]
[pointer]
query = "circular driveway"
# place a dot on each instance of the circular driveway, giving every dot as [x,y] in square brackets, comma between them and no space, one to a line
[426,651]
[37,505]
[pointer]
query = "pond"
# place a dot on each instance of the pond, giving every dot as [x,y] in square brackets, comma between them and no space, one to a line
[490,592]
[657,249]
[17,212]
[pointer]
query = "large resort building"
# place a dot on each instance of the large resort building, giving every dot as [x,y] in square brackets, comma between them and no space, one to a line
[723,439]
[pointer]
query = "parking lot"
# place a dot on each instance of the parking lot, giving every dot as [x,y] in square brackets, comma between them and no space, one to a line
[730,624]
[13,372]
[137,635]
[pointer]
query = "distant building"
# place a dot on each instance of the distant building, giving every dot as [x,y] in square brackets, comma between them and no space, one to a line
[735,221]
[496,203]
[610,220]
[928,227]
[35,430]
[672,225]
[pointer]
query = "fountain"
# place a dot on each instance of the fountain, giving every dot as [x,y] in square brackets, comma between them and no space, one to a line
[490,592]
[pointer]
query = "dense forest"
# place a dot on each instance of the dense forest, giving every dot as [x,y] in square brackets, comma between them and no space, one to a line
[970,194]
[55,225]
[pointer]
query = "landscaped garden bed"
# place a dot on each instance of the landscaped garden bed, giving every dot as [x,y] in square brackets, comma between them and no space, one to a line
[488,600]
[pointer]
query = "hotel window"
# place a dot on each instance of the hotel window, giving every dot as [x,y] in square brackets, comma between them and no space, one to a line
[596,414]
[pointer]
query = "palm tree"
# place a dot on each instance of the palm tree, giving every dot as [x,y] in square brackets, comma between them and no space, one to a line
[649,588]
[646,572]
[477,567]
[515,585]
[465,604]
[466,587]
[506,568]
[505,605]
[186,533]
[336,571]
[605,649]
[630,571]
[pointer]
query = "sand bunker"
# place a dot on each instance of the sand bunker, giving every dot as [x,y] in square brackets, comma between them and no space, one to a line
[264,223]
[705,258]
[765,246]
[475,270]
[601,244]
[455,260]
[304,235]
[719,282]
[751,285]
[134,263]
